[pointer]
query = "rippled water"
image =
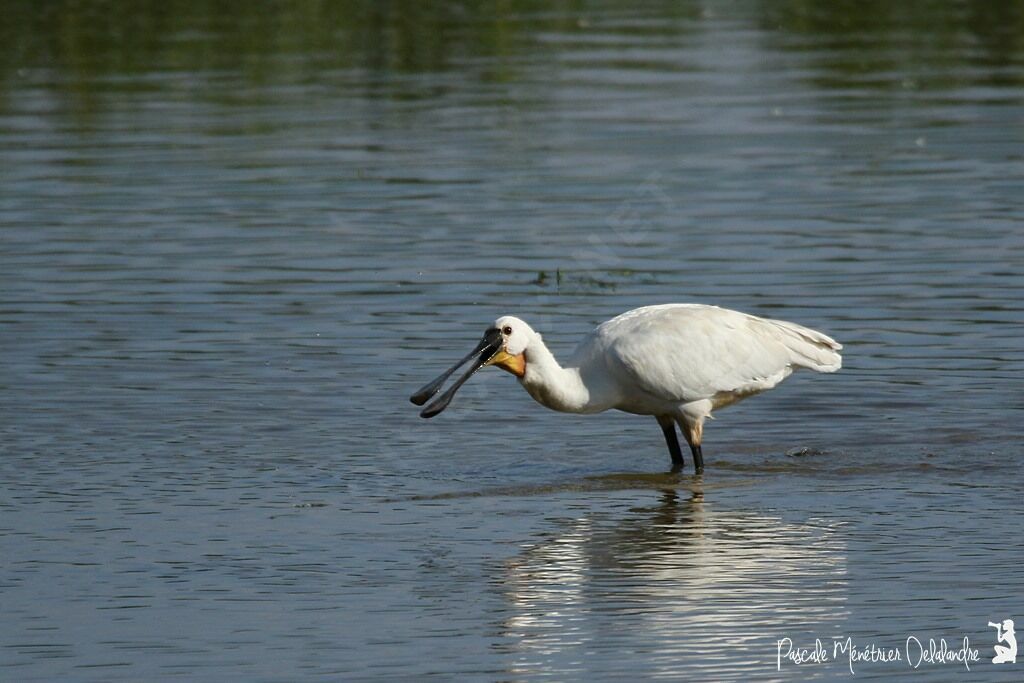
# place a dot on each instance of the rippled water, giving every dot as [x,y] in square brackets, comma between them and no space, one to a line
[231,246]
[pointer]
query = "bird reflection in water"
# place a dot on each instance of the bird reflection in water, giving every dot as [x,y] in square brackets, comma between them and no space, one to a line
[694,587]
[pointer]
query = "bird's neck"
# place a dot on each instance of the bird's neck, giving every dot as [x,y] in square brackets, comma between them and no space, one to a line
[553,386]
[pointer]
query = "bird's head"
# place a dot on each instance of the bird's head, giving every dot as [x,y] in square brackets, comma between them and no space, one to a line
[504,344]
[515,338]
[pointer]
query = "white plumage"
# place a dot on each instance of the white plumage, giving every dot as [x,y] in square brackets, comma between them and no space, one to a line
[676,362]
[683,353]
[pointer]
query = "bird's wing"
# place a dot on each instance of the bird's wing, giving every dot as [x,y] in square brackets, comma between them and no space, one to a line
[690,352]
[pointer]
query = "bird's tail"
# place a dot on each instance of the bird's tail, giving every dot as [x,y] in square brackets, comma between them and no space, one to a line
[808,348]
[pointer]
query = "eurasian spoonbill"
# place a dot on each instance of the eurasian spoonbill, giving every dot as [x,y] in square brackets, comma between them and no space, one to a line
[676,362]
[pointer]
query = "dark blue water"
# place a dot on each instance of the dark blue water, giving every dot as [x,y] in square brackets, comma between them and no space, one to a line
[232,245]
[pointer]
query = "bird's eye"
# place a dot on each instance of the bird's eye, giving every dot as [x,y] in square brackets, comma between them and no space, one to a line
[506,330]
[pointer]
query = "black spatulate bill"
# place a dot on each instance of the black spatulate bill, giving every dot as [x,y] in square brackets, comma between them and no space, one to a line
[485,350]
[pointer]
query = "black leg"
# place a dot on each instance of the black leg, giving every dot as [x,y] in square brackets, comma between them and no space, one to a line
[698,458]
[668,428]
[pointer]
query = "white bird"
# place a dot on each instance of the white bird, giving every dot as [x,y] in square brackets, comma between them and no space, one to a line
[677,362]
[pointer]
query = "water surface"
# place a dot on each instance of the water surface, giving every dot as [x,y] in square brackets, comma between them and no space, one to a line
[232,245]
